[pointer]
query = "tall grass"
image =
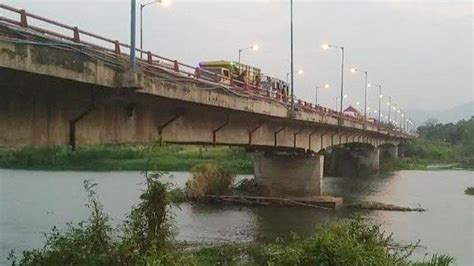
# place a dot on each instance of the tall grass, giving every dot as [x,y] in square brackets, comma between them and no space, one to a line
[123,157]
[209,179]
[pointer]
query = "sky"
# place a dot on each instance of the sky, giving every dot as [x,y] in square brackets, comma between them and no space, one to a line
[421,52]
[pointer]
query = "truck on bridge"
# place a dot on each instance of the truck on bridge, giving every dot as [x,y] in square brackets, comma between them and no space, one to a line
[226,70]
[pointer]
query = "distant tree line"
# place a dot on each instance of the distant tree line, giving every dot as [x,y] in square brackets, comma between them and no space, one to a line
[450,142]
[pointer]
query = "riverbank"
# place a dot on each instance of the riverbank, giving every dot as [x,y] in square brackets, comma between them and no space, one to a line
[124,158]
[409,163]
[170,158]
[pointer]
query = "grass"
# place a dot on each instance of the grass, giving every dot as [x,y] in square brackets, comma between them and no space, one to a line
[209,179]
[344,243]
[123,158]
[469,191]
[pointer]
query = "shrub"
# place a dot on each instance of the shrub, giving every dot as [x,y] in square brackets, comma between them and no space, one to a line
[469,191]
[148,228]
[87,243]
[146,237]
[208,179]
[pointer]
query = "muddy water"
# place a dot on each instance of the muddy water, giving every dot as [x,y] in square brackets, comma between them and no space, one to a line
[33,201]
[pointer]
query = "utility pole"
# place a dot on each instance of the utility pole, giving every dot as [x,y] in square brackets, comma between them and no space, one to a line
[389,109]
[291,57]
[133,18]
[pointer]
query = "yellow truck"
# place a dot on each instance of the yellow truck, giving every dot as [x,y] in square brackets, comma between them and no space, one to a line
[226,69]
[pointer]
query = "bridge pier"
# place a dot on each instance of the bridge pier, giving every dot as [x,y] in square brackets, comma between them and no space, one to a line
[390,152]
[368,159]
[288,175]
[353,161]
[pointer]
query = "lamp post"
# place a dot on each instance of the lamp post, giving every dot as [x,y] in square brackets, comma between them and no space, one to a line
[254,47]
[337,100]
[380,96]
[353,70]
[316,95]
[389,103]
[291,57]
[164,3]
[402,115]
[327,46]
[133,22]
[300,72]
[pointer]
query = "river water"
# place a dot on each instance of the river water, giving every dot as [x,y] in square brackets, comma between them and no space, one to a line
[31,202]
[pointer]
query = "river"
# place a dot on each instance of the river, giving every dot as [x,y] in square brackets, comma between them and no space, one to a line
[31,202]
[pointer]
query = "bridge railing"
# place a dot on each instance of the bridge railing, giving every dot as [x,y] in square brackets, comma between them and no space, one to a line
[150,62]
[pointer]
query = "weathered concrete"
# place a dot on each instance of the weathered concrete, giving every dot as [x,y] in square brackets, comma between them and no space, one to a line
[59,96]
[353,160]
[367,158]
[389,151]
[289,175]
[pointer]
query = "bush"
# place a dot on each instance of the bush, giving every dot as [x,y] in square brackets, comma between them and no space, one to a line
[347,243]
[146,237]
[469,191]
[87,243]
[148,228]
[350,243]
[209,179]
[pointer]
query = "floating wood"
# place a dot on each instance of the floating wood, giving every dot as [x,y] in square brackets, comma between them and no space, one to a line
[377,206]
[322,202]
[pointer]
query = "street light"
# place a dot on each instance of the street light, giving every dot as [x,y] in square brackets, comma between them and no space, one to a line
[291,57]
[317,87]
[327,46]
[337,100]
[163,3]
[353,70]
[380,95]
[389,103]
[254,47]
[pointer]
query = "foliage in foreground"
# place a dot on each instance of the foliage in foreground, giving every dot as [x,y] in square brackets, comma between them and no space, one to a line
[469,191]
[347,243]
[147,238]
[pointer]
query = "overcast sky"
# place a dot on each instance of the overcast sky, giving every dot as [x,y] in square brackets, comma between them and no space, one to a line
[420,51]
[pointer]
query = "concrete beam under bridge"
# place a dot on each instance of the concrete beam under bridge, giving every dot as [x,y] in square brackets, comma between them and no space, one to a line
[368,160]
[353,160]
[51,96]
[289,175]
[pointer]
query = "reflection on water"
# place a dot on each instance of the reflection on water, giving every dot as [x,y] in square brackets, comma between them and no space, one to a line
[32,201]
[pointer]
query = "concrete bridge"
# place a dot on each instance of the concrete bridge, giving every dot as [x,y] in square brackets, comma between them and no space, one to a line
[58,89]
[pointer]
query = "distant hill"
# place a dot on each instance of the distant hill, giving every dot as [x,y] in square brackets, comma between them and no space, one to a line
[464,111]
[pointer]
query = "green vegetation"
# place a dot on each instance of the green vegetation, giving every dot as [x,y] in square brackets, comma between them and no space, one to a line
[208,179]
[443,144]
[437,144]
[123,157]
[147,238]
[469,191]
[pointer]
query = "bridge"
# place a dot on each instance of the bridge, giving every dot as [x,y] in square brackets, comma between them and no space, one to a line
[61,85]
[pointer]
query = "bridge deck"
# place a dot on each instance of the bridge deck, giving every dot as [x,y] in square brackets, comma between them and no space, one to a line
[166,100]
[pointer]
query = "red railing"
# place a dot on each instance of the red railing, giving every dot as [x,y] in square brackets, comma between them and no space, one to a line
[152,60]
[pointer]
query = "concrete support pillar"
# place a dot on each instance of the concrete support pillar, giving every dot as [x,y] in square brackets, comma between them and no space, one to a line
[368,159]
[289,175]
[392,152]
